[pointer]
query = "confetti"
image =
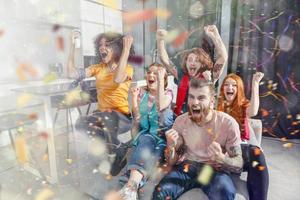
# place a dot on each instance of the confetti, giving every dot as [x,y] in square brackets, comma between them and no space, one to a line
[1,32]
[23,100]
[33,116]
[110,3]
[97,147]
[21,149]
[186,168]
[261,168]
[180,39]
[104,167]
[136,59]
[257,151]
[66,172]
[288,145]
[24,70]
[134,17]
[289,116]
[45,157]
[50,77]
[45,194]
[60,43]
[69,161]
[172,35]
[254,163]
[29,191]
[205,175]
[162,13]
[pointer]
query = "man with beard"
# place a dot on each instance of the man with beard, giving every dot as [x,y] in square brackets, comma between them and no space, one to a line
[211,142]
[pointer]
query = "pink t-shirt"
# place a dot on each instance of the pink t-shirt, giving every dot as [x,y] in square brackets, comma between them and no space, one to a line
[222,129]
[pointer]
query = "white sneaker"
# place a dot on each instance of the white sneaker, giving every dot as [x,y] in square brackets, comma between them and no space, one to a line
[128,193]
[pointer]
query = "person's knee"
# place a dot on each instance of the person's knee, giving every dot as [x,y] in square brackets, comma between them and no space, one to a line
[162,191]
[224,186]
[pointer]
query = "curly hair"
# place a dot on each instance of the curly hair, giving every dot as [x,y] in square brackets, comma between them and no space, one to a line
[115,40]
[204,59]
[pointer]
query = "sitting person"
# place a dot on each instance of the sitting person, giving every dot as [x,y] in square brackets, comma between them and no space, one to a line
[211,139]
[196,63]
[113,78]
[152,112]
[233,101]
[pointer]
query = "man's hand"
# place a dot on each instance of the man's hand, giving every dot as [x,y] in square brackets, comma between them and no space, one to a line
[172,137]
[135,92]
[215,150]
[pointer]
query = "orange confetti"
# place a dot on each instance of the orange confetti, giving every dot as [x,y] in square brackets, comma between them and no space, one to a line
[295,123]
[264,112]
[138,16]
[289,116]
[33,116]
[60,43]
[283,139]
[257,151]
[179,40]
[1,32]
[45,157]
[21,149]
[108,177]
[23,100]
[186,168]
[261,168]
[44,135]
[25,69]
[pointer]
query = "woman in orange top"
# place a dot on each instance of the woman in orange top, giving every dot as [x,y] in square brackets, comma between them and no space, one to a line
[234,102]
[113,78]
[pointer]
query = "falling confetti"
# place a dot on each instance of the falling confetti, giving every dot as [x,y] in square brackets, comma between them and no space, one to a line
[205,175]
[69,161]
[110,3]
[24,70]
[261,168]
[66,172]
[45,194]
[60,43]
[21,149]
[134,17]
[50,77]
[179,40]
[23,100]
[33,116]
[186,168]
[257,151]
[1,32]
[172,35]
[162,13]
[288,145]
[104,167]
[255,163]
[97,147]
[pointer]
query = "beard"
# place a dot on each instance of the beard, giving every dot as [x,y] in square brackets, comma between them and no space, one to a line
[199,115]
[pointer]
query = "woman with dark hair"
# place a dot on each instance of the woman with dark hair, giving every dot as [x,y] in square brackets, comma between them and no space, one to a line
[153,116]
[196,63]
[234,102]
[113,78]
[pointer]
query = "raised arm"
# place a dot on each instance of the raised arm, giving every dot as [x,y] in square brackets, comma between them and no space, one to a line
[254,102]
[163,55]
[121,74]
[221,54]
[162,100]
[73,72]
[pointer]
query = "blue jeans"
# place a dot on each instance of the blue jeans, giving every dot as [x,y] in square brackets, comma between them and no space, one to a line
[177,182]
[144,157]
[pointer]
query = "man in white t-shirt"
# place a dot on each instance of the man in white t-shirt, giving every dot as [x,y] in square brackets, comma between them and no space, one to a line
[211,143]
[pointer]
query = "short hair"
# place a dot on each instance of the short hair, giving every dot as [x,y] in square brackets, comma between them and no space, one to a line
[116,42]
[199,83]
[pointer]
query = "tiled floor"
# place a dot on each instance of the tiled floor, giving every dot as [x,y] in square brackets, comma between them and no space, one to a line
[81,178]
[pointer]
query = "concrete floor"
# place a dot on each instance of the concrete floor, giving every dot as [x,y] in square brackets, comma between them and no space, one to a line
[81,179]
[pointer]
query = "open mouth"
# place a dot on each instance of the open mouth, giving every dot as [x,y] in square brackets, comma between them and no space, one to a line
[230,94]
[196,110]
[103,55]
[192,70]
[151,81]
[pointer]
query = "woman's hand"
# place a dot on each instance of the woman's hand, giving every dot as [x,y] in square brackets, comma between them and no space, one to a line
[211,31]
[135,92]
[127,42]
[161,34]
[257,77]
[161,74]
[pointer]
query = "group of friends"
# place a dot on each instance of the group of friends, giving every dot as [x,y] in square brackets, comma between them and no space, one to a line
[200,131]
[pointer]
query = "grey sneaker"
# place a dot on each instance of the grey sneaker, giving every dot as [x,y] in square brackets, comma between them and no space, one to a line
[128,193]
